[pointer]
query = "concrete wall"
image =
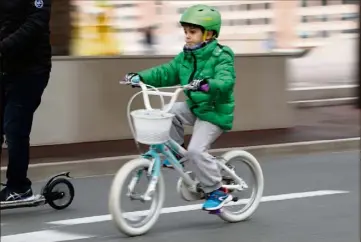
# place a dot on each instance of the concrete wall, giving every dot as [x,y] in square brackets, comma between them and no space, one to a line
[84,101]
[334,63]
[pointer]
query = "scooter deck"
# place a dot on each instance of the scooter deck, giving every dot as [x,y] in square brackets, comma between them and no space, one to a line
[37,201]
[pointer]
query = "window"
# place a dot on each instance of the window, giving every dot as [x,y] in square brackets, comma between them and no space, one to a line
[240,22]
[303,35]
[350,16]
[257,6]
[324,34]
[129,17]
[158,7]
[125,30]
[125,5]
[257,21]
[350,31]
[242,7]
[350,1]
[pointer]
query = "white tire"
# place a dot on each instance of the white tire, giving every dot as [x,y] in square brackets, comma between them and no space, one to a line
[115,205]
[251,207]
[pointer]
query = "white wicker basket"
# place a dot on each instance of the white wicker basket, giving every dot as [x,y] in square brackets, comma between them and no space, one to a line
[152,126]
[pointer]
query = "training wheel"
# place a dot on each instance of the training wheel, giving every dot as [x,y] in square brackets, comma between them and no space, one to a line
[59,193]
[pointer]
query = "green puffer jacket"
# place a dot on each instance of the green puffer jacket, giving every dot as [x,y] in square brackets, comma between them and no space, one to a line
[212,62]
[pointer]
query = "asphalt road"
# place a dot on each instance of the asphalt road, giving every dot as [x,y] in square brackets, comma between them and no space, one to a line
[324,208]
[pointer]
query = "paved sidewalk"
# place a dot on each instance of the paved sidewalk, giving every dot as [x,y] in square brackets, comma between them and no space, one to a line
[317,123]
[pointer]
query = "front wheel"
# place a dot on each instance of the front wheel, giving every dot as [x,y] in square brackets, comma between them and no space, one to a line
[251,204]
[131,223]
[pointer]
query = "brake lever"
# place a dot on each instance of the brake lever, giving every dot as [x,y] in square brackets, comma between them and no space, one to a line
[123,82]
[189,87]
[129,83]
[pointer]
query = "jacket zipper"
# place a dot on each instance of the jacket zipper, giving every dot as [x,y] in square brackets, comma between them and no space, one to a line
[191,79]
[194,68]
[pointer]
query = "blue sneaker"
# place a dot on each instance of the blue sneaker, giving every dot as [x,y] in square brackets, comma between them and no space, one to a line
[216,200]
[166,163]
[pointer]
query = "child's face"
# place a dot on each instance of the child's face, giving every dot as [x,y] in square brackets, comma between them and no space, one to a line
[194,36]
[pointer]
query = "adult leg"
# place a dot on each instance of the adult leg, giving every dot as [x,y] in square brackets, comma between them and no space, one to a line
[23,96]
[2,107]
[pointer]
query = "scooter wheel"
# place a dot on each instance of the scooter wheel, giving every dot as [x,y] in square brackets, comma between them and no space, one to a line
[60,193]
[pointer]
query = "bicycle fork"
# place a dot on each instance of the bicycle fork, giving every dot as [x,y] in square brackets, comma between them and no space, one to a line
[153,171]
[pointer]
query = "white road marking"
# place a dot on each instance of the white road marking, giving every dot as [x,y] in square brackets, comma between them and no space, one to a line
[44,236]
[281,197]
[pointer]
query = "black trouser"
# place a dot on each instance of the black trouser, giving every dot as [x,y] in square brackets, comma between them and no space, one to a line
[21,97]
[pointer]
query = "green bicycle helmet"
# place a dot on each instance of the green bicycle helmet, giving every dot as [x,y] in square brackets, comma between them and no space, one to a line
[202,15]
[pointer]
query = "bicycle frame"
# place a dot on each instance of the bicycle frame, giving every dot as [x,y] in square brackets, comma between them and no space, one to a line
[155,168]
[155,151]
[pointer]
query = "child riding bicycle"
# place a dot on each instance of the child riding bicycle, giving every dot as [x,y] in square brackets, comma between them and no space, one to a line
[209,66]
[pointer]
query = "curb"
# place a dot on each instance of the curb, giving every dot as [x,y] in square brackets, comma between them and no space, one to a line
[322,92]
[109,165]
[324,102]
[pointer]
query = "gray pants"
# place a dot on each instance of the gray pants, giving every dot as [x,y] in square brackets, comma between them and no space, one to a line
[204,134]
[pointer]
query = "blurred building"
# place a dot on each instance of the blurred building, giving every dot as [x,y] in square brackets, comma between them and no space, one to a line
[248,26]
[60,24]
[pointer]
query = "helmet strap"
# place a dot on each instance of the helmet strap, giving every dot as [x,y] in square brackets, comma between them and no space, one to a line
[205,35]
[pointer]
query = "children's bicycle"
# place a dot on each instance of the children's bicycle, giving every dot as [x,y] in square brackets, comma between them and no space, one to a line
[152,127]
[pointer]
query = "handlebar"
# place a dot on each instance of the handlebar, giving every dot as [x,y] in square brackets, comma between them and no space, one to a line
[174,95]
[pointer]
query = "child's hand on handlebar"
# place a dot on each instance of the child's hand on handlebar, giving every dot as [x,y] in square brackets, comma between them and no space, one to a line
[200,85]
[132,79]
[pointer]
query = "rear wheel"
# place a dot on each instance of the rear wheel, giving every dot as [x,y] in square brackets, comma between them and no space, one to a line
[231,159]
[60,193]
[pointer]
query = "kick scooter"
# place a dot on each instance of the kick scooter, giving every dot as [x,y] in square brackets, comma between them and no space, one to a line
[58,191]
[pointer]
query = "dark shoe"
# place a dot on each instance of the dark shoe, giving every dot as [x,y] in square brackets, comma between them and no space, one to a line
[8,195]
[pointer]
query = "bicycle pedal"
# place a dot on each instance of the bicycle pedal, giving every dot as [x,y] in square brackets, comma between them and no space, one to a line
[215,212]
[169,167]
[235,199]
